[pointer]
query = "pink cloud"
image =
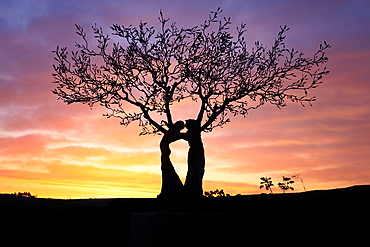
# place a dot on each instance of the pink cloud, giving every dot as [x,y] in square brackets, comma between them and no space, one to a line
[327,144]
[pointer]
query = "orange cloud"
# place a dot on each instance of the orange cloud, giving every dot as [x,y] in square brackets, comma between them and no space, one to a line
[55,150]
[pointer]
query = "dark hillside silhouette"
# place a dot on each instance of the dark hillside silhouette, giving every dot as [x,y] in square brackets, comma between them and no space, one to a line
[153,70]
[327,217]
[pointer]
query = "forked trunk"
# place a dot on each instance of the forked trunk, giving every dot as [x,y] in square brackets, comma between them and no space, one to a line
[173,193]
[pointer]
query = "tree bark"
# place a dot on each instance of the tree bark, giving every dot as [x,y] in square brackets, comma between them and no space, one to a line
[172,186]
[196,161]
[174,194]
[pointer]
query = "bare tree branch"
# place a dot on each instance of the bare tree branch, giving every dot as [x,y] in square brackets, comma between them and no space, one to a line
[152,71]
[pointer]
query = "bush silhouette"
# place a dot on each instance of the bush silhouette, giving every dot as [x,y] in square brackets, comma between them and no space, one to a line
[216,193]
[285,185]
[266,183]
[24,194]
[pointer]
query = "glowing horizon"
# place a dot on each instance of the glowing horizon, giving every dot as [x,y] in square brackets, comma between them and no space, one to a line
[64,151]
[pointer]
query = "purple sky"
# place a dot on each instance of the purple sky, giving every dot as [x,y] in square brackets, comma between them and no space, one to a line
[55,150]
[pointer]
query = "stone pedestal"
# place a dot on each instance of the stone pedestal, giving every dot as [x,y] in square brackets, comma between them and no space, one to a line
[179,229]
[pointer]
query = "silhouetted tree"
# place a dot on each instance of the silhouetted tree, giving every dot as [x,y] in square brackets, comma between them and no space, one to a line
[152,71]
[266,183]
[285,185]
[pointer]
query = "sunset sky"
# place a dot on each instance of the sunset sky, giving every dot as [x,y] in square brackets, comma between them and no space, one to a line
[55,150]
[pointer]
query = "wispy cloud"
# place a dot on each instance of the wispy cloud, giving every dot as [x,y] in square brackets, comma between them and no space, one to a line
[61,150]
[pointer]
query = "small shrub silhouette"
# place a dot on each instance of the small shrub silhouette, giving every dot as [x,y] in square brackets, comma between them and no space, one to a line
[296,175]
[285,185]
[266,183]
[24,194]
[216,193]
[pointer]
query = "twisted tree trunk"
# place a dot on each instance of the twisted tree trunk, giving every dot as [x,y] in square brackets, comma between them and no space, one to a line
[172,186]
[174,194]
[196,161]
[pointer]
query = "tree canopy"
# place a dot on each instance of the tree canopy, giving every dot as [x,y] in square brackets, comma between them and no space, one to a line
[153,70]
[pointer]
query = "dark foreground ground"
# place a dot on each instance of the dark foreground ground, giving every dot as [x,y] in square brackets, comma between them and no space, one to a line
[327,217]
